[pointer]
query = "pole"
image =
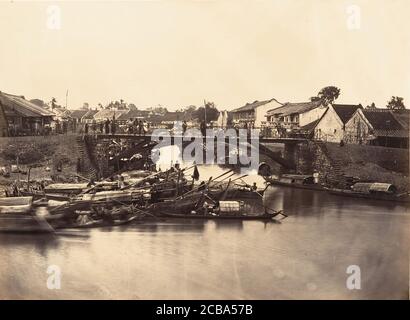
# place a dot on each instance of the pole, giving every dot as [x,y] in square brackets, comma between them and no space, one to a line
[66,98]
[205,110]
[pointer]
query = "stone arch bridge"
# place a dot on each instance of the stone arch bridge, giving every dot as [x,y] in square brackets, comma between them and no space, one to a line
[284,152]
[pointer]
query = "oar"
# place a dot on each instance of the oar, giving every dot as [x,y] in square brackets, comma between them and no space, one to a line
[219,182]
[136,208]
[222,198]
[195,189]
[223,174]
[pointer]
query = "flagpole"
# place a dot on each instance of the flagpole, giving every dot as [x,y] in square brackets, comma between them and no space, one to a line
[205,110]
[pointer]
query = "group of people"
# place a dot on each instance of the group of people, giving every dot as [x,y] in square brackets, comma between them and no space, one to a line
[137,126]
[108,126]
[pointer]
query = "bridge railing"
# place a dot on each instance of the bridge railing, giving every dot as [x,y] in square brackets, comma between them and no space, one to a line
[126,129]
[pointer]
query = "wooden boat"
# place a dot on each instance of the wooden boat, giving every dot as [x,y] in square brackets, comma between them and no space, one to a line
[373,191]
[296,181]
[184,204]
[65,188]
[264,216]
[18,215]
[236,192]
[100,223]
[227,210]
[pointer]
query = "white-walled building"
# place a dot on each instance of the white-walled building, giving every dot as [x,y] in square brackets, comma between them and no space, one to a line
[254,114]
[332,125]
[293,116]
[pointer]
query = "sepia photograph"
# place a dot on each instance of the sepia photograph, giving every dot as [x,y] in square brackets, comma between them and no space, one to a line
[204,150]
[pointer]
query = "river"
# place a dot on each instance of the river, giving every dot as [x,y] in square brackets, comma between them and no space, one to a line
[306,256]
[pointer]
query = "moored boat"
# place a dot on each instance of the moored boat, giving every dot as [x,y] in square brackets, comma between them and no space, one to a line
[298,181]
[373,191]
[17,214]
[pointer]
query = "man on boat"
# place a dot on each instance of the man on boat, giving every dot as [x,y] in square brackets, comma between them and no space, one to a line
[121,182]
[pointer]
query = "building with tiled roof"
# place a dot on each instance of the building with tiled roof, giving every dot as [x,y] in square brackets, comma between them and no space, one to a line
[331,125]
[293,116]
[19,116]
[104,114]
[131,115]
[78,114]
[88,117]
[254,114]
[376,127]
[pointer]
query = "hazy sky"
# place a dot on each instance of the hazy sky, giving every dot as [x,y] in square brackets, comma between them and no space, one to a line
[177,53]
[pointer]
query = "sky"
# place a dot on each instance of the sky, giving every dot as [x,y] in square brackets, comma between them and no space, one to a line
[178,53]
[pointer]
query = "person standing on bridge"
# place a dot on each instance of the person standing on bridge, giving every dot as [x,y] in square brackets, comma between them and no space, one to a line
[107,126]
[140,127]
[203,128]
[113,126]
[130,125]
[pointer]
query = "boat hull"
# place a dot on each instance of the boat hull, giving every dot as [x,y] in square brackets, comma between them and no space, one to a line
[219,216]
[17,223]
[297,186]
[382,197]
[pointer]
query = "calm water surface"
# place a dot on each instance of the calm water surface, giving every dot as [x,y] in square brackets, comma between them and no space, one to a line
[304,257]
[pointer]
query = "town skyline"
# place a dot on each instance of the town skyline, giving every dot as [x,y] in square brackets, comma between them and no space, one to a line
[163,56]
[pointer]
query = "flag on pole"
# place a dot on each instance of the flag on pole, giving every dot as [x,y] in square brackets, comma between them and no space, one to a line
[195,175]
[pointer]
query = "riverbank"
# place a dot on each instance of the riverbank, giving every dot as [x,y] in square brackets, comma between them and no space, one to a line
[42,154]
[373,163]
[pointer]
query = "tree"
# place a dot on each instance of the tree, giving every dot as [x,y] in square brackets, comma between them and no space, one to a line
[327,95]
[396,103]
[371,106]
[314,99]
[53,103]
[212,112]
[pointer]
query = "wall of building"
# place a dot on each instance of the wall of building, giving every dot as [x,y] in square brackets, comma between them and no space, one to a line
[330,127]
[260,112]
[3,123]
[357,129]
[311,115]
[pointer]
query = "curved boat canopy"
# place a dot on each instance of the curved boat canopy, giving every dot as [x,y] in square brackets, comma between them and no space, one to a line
[369,187]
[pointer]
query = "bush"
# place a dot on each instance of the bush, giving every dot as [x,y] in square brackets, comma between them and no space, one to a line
[28,153]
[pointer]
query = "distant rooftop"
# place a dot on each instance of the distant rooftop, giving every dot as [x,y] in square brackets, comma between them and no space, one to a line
[385,123]
[254,105]
[345,111]
[292,108]
[14,104]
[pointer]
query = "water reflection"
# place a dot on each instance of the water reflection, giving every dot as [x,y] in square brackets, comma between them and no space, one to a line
[304,257]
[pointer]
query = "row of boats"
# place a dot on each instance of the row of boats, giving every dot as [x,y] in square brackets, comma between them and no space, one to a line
[134,196]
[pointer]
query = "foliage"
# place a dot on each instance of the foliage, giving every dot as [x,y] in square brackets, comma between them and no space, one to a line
[212,112]
[371,106]
[327,95]
[28,153]
[396,103]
